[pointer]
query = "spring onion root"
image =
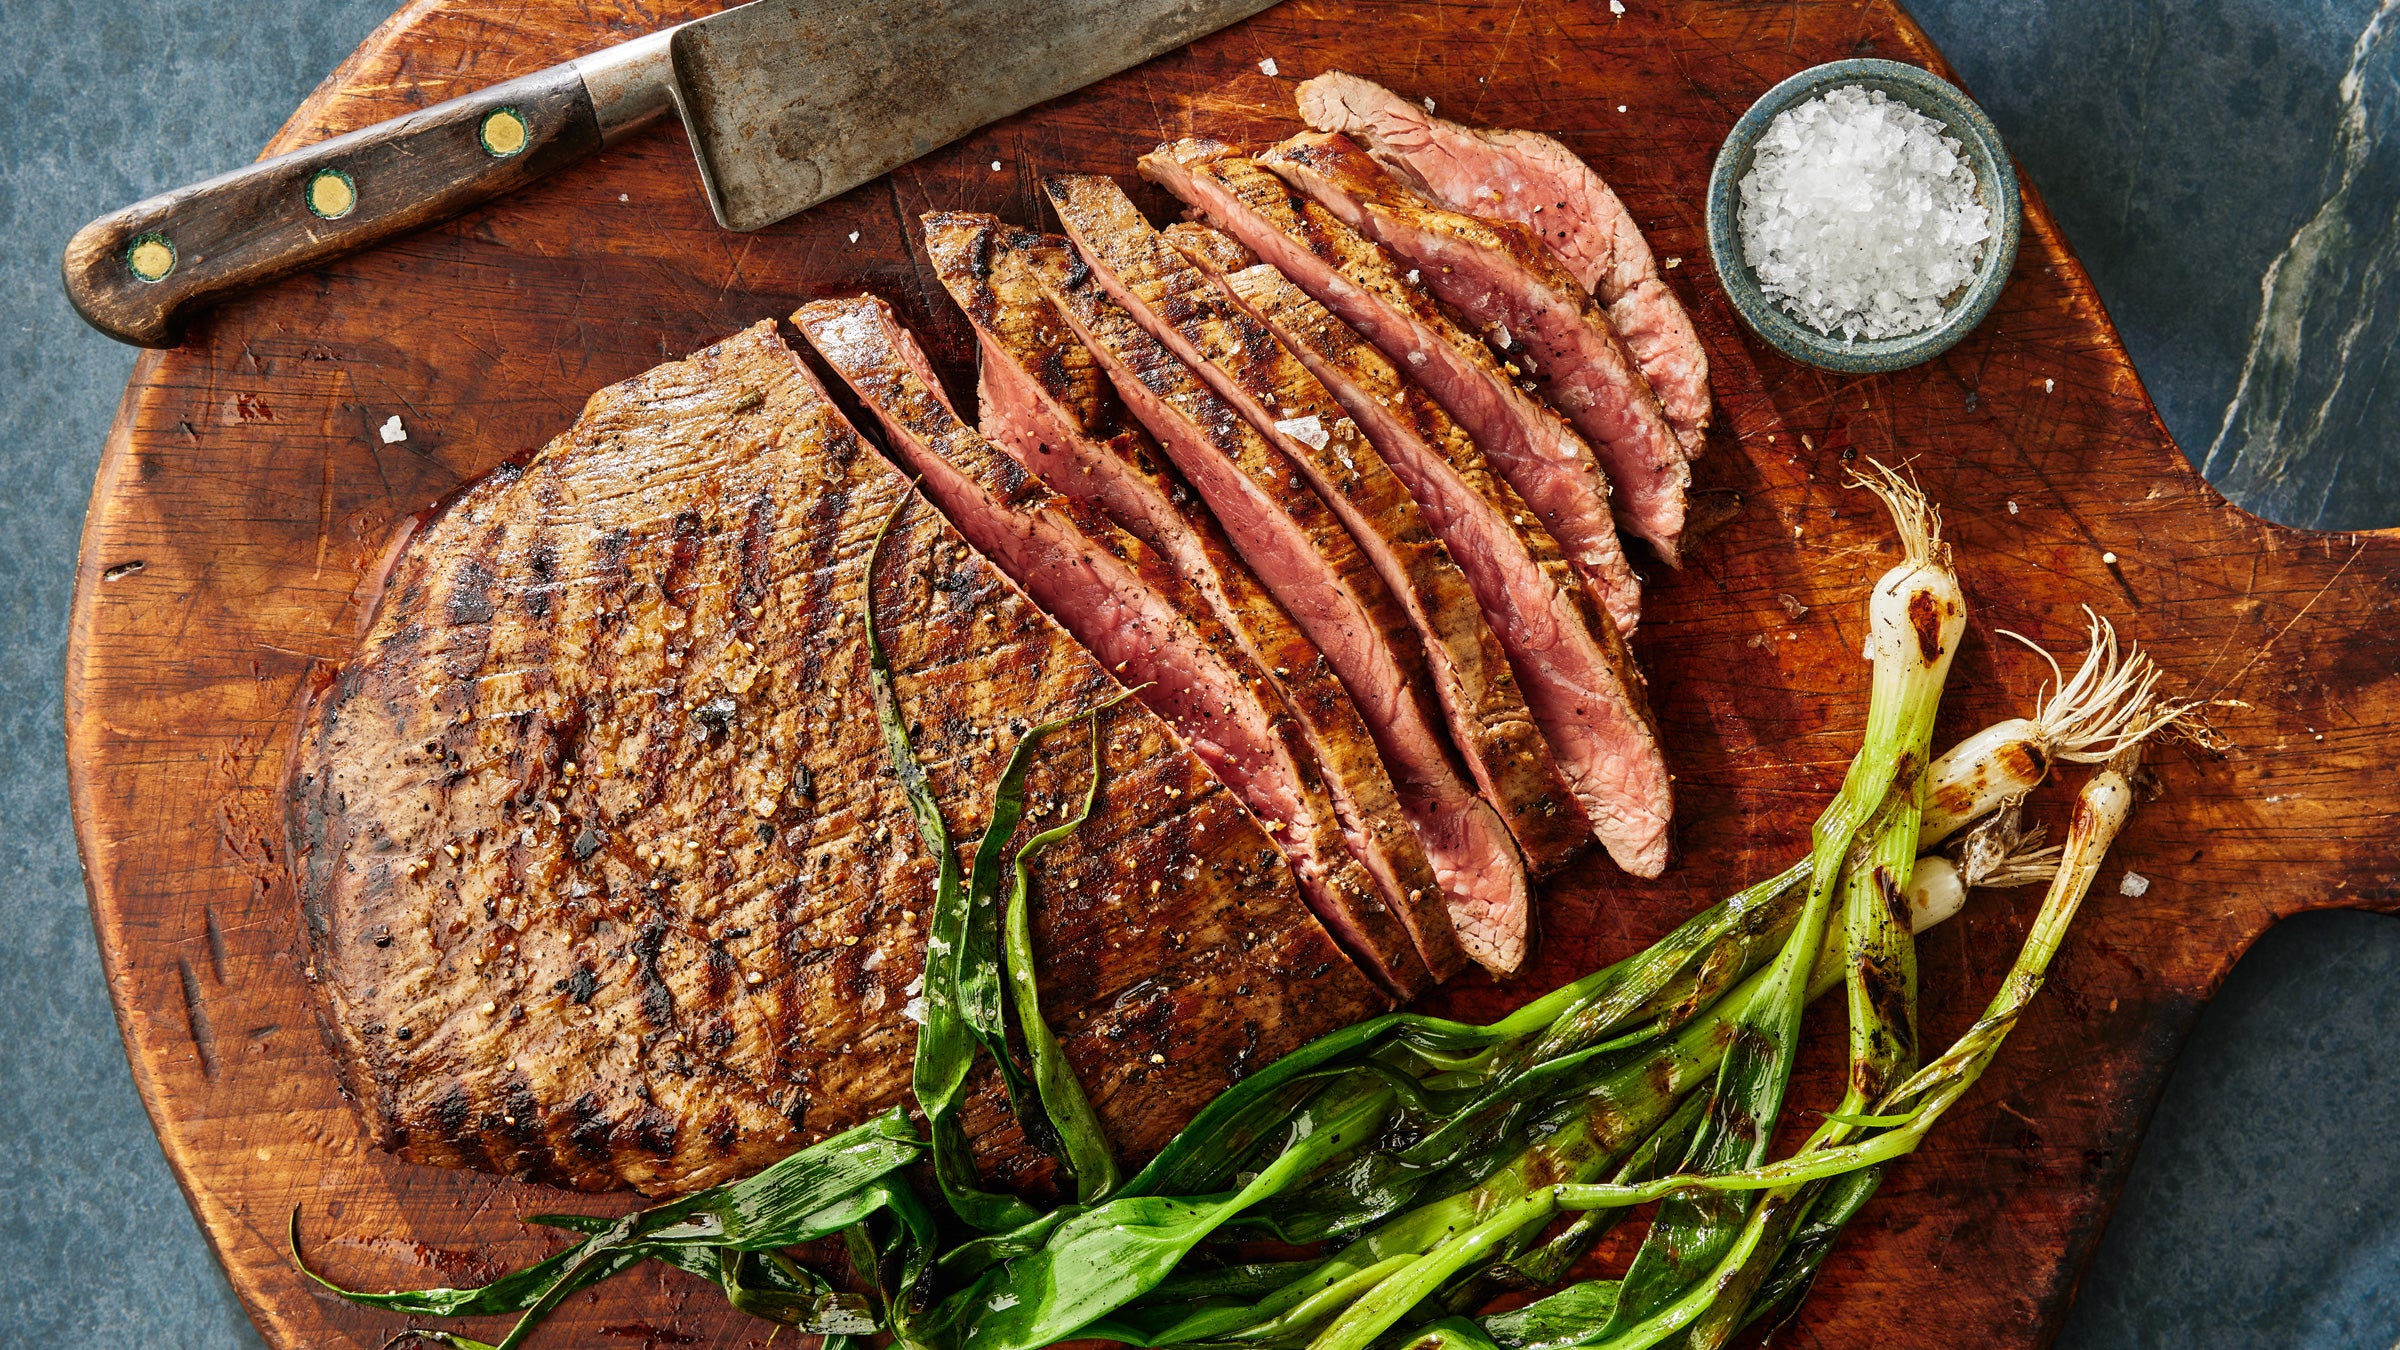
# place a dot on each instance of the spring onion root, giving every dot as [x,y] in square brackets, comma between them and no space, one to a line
[1998,853]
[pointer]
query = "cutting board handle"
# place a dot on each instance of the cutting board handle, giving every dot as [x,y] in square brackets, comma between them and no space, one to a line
[136,274]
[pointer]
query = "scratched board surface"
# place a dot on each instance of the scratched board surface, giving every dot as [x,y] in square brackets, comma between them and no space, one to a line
[245,493]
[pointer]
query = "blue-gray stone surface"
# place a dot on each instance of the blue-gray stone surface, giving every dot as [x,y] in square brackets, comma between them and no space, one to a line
[2193,150]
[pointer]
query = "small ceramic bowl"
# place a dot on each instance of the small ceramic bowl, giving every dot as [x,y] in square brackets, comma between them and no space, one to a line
[1996,184]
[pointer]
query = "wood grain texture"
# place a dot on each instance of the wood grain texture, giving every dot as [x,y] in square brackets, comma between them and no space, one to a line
[244,494]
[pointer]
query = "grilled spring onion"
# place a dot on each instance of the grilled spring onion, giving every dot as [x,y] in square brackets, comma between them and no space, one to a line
[2086,720]
[1911,1109]
[1792,1229]
[965,996]
[961,1013]
[1083,1145]
[1452,1234]
[1916,614]
[1812,1194]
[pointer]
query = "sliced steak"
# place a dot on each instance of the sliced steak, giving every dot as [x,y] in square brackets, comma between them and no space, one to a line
[1124,604]
[1578,678]
[1046,404]
[603,878]
[1542,457]
[1303,556]
[1210,249]
[1249,368]
[1498,274]
[1535,181]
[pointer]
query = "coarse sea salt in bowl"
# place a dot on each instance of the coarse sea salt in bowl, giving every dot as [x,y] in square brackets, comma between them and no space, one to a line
[1825,265]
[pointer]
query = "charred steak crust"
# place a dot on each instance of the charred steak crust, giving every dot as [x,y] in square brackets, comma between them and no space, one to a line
[689,953]
[1047,405]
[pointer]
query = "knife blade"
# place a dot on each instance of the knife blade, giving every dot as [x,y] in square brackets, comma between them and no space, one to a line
[785,102]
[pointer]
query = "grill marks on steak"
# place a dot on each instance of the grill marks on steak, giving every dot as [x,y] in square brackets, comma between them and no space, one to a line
[1499,275]
[1579,680]
[1124,604]
[1296,547]
[665,598]
[1537,182]
[1249,368]
[1542,457]
[1044,402]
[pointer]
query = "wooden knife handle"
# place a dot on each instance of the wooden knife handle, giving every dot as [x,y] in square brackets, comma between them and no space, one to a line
[136,274]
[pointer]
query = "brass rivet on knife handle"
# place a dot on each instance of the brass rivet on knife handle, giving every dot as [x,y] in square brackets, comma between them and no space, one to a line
[150,258]
[331,194]
[137,273]
[503,132]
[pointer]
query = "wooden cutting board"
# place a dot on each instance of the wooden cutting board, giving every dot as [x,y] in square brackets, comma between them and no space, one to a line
[248,486]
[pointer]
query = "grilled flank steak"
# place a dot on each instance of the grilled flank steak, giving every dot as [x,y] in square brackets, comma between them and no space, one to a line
[1300,552]
[1579,680]
[1250,368]
[1541,456]
[1502,278]
[1126,605]
[1044,401]
[1539,183]
[604,876]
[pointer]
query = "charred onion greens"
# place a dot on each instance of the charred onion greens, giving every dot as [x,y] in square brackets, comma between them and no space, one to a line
[1432,1163]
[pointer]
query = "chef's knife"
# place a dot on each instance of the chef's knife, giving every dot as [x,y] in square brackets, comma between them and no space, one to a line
[787,103]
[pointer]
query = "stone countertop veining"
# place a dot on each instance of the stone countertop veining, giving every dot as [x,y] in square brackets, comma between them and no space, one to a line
[2199,153]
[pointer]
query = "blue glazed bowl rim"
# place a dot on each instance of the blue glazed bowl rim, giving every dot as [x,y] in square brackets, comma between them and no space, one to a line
[1995,173]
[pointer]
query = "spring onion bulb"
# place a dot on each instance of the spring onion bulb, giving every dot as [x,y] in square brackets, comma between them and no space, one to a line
[1998,853]
[2090,717]
[1921,611]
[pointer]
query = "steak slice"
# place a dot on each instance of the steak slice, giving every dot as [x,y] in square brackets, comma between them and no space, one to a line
[1579,680]
[1306,560]
[1535,181]
[1124,604]
[1211,250]
[675,941]
[1045,403]
[1255,373]
[1498,274]
[1542,457]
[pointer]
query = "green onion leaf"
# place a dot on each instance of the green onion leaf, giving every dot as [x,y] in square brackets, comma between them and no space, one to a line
[1072,1120]
[946,1039]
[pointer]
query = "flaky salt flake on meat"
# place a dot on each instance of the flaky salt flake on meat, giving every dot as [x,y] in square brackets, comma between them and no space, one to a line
[1308,430]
